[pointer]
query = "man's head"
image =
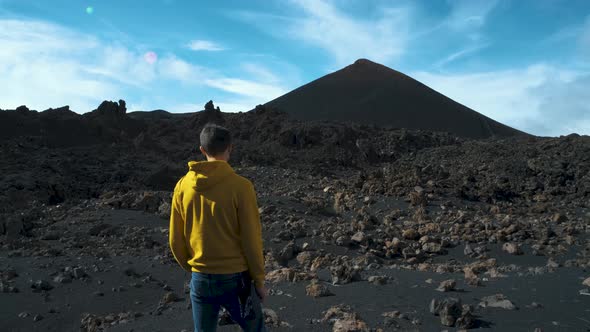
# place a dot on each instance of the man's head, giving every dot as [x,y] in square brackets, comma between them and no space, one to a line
[215,142]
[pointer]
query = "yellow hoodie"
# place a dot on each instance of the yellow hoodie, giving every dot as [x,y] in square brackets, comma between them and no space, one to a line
[214,223]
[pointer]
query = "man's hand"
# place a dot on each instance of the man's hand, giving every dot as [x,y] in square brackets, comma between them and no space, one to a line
[261,291]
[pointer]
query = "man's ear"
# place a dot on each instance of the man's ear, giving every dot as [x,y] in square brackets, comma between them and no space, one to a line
[203,151]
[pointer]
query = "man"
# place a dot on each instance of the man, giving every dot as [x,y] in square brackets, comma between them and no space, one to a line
[215,233]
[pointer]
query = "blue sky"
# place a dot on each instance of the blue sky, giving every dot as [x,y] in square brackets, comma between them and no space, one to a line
[525,63]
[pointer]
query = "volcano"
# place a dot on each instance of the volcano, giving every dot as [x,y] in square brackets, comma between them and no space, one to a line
[370,93]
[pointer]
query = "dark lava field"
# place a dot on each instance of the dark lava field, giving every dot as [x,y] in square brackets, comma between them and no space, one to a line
[365,228]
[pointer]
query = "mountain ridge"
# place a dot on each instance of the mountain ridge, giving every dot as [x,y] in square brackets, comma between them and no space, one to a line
[370,93]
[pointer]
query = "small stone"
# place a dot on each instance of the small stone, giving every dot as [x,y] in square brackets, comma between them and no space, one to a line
[37,318]
[559,218]
[586,282]
[447,285]
[169,298]
[497,301]
[552,264]
[225,318]
[271,318]
[79,273]
[24,314]
[350,323]
[392,314]
[511,248]
[466,321]
[431,247]
[470,277]
[317,289]
[377,280]
[62,279]
[410,234]
[342,241]
[40,285]
[359,237]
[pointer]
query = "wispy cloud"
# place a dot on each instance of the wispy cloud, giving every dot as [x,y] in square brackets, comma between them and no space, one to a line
[461,54]
[323,24]
[246,87]
[204,45]
[174,68]
[469,14]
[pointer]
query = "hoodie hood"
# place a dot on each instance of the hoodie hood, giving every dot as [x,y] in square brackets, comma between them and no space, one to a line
[206,174]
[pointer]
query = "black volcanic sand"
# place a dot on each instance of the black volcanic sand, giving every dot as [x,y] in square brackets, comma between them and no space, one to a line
[563,308]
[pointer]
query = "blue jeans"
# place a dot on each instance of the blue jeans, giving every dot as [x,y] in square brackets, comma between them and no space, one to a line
[210,292]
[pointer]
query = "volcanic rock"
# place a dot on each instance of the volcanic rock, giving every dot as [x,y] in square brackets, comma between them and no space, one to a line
[377,280]
[271,318]
[449,310]
[343,271]
[281,275]
[447,285]
[358,237]
[317,289]
[470,277]
[169,297]
[497,301]
[410,234]
[41,285]
[512,248]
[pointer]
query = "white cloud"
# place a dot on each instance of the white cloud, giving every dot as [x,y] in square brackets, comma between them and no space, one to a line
[540,99]
[262,91]
[204,45]
[45,65]
[171,67]
[347,38]
[460,54]
[260,73]
[469,14]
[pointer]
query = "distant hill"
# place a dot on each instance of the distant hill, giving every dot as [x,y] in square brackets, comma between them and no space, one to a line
[370,93]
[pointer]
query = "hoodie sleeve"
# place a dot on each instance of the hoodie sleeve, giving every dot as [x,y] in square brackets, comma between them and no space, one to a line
[176,232]
[251,233]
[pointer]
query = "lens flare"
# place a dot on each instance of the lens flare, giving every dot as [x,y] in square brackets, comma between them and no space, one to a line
[150,57]
[89,10]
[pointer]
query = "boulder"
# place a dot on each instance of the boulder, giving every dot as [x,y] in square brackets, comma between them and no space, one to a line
[447,285]
[497,301]
[317,289]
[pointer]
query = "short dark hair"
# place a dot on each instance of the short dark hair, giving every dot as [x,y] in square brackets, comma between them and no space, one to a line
[215,139]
